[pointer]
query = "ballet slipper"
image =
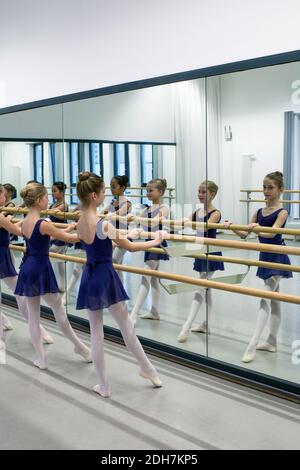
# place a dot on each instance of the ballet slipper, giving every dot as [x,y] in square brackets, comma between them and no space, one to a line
[7,326]
[249,354]
[183,336]
[47,339]
[203,328]
[152,315]
[40,365]
[266,347]
[152,376]
[103,393]
[85,353]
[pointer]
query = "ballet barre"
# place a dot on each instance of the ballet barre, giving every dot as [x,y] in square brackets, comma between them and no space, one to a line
[279,296]
[155,221]
[283,201]
[248,197]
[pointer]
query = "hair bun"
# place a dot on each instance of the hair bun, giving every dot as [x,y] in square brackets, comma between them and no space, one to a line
[279,173]
[83,176]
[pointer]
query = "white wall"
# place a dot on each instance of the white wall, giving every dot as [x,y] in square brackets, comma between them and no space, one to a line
[59,47]
[253,104]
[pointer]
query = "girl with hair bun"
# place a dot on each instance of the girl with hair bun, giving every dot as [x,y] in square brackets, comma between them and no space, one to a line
[8,273]
[155,191]
[100,285]
[273,215]
[58,246]
[36,277]
[120,205]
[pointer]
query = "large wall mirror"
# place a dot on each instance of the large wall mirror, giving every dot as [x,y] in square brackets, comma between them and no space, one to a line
[230,130]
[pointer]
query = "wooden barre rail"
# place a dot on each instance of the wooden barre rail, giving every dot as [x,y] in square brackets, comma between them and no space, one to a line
[261,191]
[108,187]
[178,223]
[283,201]
[187,280]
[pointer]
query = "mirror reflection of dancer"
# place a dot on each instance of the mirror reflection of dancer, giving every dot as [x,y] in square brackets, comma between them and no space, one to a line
[100,285]
[155,191]
[77,267]
[120,205]
[59,246]
[36,277]
[206,269]
[8,273]
[273,215]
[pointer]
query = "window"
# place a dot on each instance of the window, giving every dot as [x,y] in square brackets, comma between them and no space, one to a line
[121,160]
[52,160]
[38,162]
[146,166]
[76,150]
[96,158]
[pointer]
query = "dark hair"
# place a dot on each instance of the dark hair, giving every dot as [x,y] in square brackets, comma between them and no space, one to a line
[88,183]
[121,180]
[11,189]
[32,181]
[277,177]
[60,185]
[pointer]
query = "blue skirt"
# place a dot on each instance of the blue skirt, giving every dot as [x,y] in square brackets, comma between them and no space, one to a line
[100,287]
[202,265]
[266,273]
[7,268]
[36,277]
[156,256]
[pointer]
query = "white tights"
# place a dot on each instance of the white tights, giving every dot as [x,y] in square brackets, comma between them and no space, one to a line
[118,255]
[147,282]
[120,314]
[55,303]
[272,285]
[198,299]
[11,283]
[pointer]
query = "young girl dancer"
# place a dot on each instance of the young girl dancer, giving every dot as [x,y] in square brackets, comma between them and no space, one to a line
[206,269]
[100,285]
[8,273]
[273,215]
[36,278]
[155,191]
[122,206]
[58,246]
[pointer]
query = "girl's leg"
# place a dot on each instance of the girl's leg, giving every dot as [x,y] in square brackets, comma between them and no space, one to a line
[120,313]
[271,285]
[195,307]
[55,303]
[11,283]
[143,292]
[77,271]
[154,283]
[33,308]
[118,255]
[275,320]
[97,347]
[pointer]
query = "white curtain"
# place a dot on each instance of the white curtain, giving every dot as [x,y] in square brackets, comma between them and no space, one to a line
[194,160]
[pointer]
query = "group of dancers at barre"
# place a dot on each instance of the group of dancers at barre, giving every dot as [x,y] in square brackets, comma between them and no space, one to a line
[105,242]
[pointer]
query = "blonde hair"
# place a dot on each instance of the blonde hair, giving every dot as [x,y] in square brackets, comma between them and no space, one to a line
[88,183]
[159,183]
[32,192]
[277,177]
[211,186]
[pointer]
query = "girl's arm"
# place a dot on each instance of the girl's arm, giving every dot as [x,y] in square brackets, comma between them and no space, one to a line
[120,239]
[242,233]
[61,208]
[5,223]
[281,219]
[48,228]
